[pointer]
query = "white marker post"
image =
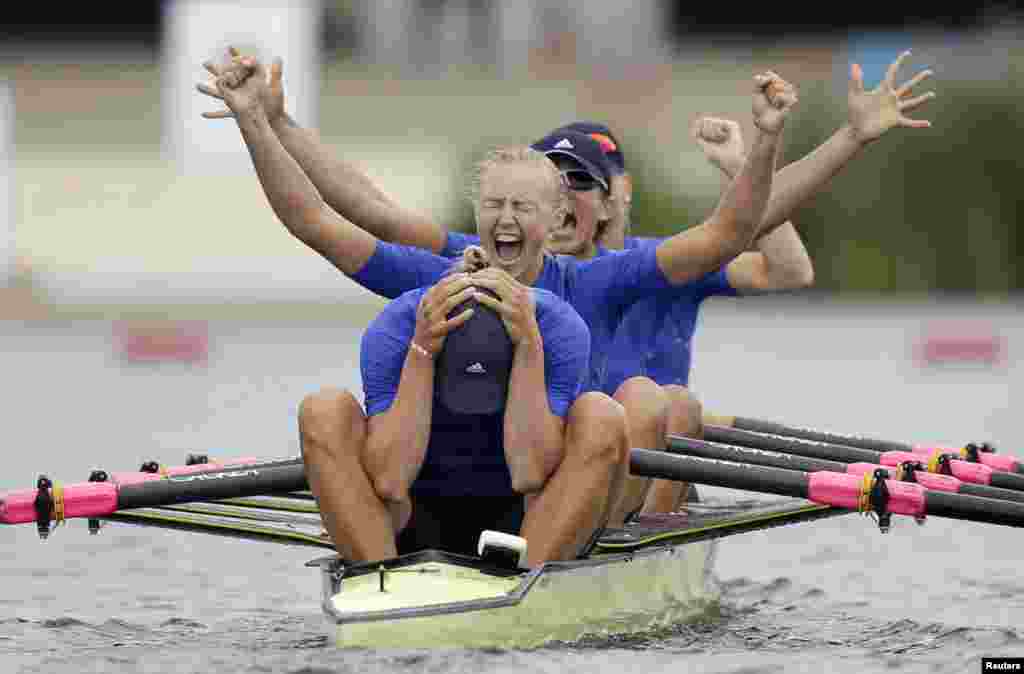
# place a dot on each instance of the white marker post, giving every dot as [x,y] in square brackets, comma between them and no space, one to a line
[201,30]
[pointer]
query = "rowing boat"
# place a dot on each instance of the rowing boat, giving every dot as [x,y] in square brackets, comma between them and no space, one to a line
[644,577]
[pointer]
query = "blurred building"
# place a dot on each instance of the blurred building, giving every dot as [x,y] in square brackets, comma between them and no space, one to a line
[425,37]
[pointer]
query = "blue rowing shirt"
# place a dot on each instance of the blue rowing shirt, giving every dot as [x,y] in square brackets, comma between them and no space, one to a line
[655,338]
[465,452]
[600,289]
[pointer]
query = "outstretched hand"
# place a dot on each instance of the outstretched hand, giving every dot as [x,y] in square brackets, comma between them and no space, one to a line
[874,112]
[774,97]
[235,73]
[721,140]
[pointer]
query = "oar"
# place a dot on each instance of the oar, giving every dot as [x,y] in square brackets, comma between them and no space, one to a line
[983,453]
[870,493]
[909,471]
[50,502]
[151,470]
[966,471]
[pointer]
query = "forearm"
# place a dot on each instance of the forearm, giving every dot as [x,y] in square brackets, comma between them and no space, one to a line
[795,184]
[534,436]
[786,259]
[397,442]
[731,228]
[350,192]
[296,202]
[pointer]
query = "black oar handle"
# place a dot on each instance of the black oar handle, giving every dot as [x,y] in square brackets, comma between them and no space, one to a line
[1002,480]
[777,443]
[974,508]
[714,450]
[659,464]
[759,426]
[226,483]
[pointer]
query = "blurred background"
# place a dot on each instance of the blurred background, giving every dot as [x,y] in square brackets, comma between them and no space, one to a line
[116,193]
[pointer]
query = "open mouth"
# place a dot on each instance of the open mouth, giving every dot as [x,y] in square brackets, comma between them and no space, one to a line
[508,247]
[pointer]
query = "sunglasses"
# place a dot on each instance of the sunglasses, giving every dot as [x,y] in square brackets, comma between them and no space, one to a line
[579,180]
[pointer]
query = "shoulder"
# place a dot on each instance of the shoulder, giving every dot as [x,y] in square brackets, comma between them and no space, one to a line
[397,311]
[641,241]
[456,242]
[555,314]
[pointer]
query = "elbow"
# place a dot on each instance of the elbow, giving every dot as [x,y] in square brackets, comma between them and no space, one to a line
[391,488]
[801,277]
[527,482]
[806,278]
[790,279]
[533,469]
[737,230]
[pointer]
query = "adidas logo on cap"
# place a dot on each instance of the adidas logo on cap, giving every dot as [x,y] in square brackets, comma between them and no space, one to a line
[476,368]
[564,144]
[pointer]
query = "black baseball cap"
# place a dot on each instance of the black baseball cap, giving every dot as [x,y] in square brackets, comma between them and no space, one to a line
[604,136]
[475,363]
[583,150]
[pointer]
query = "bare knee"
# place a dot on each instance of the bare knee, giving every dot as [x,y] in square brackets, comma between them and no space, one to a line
[597,429]
[329,420]
[646,405]
[685,413]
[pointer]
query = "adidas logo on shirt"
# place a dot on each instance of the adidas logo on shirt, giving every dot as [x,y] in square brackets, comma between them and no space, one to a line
[476,368]
[563,144]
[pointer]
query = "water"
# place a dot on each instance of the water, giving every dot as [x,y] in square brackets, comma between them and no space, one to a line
[834,595]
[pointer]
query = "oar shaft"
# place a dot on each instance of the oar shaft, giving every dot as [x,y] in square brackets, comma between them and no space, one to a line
[724,452]
[651,463]
[96,499]
[930,481]
[777,443]
[966,471]
[230,483]
[841,490]
[759,426]
[998,462]
[975,509]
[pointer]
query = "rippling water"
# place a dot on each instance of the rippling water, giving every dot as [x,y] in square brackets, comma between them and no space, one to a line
[834,595]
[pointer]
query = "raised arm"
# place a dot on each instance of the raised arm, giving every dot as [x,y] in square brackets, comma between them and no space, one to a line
[779,259]
[736,220]
[292,196]
[871,114]
[346,188]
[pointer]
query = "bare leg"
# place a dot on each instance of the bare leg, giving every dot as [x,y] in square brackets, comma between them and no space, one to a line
[684,418]
[332,429]
[575,501]
[646,408]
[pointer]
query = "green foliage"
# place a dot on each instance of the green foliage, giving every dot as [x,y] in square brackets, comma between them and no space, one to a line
[920,210]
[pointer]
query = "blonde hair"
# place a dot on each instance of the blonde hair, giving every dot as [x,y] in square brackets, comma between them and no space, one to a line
[513,155]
